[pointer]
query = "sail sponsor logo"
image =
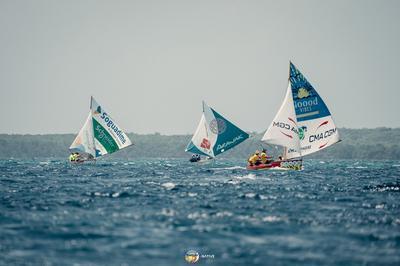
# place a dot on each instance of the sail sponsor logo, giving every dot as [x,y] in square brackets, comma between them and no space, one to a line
[302,93]
[110,124]
[305,104]
[326,133]
[104,136]
[302,131]
[303,148]
[97,111]
[322,135]
[306,148]
[225,145]
[285,126]
[218,126]
[205,144]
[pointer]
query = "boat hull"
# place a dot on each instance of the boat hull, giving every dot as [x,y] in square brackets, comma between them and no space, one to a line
[76,162]
[83,161]
[202,161]
[296,164]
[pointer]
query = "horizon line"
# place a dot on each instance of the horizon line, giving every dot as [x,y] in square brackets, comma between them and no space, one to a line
[183,134]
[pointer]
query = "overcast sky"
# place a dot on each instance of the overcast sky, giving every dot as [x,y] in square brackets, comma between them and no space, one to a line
[151,63]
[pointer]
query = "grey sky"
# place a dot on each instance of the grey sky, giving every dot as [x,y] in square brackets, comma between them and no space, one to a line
[150,63]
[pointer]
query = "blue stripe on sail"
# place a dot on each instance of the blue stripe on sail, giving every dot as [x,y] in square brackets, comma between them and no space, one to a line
[308,104]
[193,149]
[229,135]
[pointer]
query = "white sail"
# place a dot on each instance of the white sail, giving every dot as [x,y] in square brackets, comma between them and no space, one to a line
[84,141]
[317,134]
[283,130]
[100,134]
[316,127]
[204,139]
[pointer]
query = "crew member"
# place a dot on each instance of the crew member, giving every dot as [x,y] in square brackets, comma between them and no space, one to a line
[263,156]
[254,159]
[72,157]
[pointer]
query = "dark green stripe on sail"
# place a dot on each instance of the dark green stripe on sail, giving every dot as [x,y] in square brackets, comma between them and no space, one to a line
[102,135]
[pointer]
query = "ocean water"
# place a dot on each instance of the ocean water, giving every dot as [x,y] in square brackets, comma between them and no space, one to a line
[153,212]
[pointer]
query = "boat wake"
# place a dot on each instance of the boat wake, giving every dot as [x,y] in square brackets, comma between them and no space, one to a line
[280,169]
[230,168]
[249,176]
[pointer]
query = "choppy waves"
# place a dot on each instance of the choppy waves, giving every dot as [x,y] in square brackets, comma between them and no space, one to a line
[151,212]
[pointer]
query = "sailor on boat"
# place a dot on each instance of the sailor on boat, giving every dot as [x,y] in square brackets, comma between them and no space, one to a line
[301,111]
[195,158]
[74,157]
[265,159]
[255,159]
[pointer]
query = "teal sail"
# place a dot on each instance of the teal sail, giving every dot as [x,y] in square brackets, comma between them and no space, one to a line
[229,135]
[215,134]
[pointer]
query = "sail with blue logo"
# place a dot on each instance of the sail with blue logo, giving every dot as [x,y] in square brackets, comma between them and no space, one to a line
[316,128]
[99,135]
[214,134]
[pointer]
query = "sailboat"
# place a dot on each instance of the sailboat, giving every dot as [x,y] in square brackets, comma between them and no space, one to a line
[100,135]
[214,135]
[302,126]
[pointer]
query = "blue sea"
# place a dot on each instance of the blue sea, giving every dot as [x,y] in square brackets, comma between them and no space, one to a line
[153,212]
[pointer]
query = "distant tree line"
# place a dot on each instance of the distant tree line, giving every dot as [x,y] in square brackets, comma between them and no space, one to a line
[378,143]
